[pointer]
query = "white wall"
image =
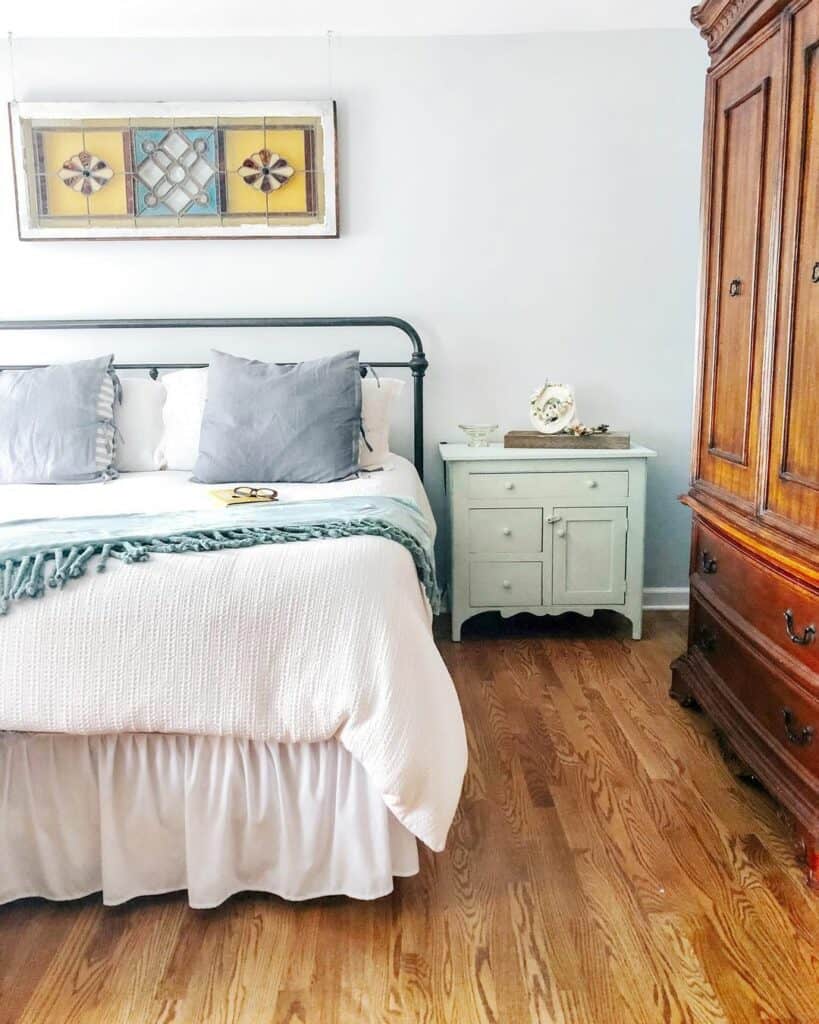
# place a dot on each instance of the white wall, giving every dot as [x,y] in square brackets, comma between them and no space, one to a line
[529,202]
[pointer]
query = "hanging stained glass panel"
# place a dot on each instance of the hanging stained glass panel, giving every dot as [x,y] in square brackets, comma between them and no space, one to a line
[163,170]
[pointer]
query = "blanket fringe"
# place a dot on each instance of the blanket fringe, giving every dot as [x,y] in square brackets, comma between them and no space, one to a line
[32,574]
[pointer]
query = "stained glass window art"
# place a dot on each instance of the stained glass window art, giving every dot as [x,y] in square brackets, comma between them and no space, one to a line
[165,170]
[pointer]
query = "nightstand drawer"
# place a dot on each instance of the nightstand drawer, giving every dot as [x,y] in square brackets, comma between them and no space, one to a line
[593,487]
[505,584]
[505,530]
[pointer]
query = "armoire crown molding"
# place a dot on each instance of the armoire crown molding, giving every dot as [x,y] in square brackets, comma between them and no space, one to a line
[731,21]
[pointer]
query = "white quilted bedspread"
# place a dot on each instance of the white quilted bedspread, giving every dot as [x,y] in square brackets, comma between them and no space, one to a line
[290,643]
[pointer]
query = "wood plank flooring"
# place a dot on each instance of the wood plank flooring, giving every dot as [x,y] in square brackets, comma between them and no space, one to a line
[604,868]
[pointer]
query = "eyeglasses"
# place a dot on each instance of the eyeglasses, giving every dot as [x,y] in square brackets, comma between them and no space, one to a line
[266,493]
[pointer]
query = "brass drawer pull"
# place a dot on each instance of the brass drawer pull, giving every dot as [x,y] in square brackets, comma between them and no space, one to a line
[706,639]
[709,563]
[808,633]
[735,288]
[799,737]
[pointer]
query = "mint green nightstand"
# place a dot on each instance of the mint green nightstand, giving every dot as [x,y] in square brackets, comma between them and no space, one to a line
[546,530]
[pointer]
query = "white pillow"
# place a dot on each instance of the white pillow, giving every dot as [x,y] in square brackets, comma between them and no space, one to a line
[377,402]
[138,419]
[182,417]
[185,407]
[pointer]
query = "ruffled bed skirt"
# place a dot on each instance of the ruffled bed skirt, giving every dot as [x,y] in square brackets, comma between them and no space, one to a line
[136,815]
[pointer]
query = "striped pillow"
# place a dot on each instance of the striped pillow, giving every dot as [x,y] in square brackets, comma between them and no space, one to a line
[106,433]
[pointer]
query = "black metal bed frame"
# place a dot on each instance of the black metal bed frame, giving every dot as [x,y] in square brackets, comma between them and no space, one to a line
[417,363]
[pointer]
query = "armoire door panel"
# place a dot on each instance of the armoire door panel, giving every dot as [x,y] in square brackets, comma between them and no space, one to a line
[793,469]
[738,236]
[744,173]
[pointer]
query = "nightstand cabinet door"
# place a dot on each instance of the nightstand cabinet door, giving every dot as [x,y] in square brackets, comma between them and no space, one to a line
[589,556]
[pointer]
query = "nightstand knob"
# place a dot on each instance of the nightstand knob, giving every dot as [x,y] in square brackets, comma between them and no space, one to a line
[507,585]
[561,533]
[591,483]
[509,485]
[507,532]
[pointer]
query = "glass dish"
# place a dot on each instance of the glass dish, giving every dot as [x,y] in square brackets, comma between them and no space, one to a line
[478,434]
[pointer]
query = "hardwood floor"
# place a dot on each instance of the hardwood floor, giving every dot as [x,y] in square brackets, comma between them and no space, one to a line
[604,868]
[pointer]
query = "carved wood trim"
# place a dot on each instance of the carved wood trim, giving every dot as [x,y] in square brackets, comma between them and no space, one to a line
[716,19]
[720,21]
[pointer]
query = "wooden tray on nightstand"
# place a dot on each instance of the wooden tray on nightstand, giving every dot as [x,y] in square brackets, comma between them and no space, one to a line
[534,439]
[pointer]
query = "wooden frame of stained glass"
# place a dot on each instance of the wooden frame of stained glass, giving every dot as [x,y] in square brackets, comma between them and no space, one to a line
[175,170]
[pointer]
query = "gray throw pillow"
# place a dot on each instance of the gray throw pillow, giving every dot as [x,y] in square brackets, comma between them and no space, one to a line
[270,423]
[57,423]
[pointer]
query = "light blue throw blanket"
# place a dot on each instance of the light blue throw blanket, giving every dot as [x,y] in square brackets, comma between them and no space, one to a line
[37,554]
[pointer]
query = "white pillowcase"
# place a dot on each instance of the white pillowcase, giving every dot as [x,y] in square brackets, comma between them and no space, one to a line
[182,417]
[377,403]
[185,406]
[138,419]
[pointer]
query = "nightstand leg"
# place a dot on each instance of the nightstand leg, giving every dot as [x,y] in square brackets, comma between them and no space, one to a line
[635,617]
[456,630]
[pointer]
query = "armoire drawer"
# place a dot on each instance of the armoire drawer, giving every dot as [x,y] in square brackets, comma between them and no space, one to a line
[759,595]
[505,530]
[505,584]
[779,706]
[594,487]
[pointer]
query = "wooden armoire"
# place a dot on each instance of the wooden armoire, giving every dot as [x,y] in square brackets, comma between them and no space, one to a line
[753,657]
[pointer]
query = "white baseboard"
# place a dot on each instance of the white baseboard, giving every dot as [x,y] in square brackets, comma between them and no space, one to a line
[666,599]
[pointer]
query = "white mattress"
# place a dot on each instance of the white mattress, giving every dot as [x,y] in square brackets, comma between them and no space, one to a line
[172,490]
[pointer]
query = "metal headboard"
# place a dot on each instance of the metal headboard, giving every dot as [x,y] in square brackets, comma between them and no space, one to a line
[417,362]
